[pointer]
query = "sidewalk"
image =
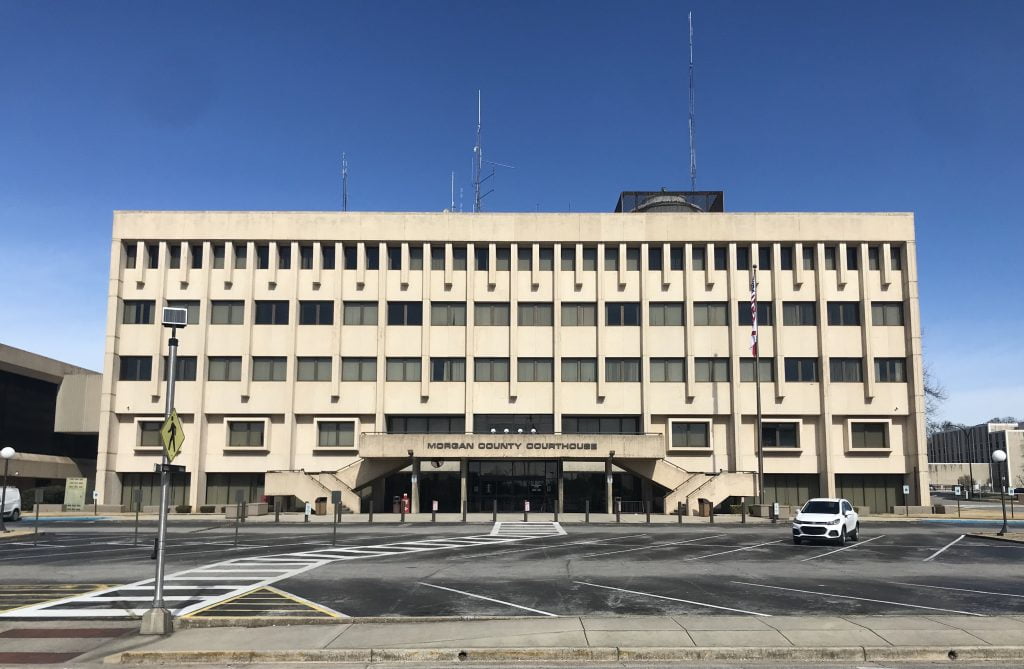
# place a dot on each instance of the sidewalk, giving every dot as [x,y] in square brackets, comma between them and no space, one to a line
[594,639]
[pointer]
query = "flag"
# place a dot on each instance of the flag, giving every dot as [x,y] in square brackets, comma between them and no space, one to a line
[753,312]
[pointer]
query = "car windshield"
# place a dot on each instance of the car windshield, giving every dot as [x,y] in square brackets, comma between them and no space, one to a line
[819,506]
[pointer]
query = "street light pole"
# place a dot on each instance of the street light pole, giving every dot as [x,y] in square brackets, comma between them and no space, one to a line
[999,457]
[6,453]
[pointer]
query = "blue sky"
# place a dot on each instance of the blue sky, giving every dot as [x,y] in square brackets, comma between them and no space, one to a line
[801,106]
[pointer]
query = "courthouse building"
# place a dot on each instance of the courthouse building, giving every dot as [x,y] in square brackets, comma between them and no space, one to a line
[498,358]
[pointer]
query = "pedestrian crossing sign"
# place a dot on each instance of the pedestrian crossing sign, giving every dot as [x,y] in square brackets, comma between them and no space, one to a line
[172,435]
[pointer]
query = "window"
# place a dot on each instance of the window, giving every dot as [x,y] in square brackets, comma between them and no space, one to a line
[316,313]
[241,254]
[149,434]
[360,313]
[491,313]
[372,256]
[135,368]
[227,312]
[459,258]
[799,313]
[808,259]
[895,258]
[699,257]
[448,369]
[191,307]
[690,435]
[224,368]
[269,368]
[327,255]
[245,434]
[186,368]
[196,251]
[403,369]
[852,257]
[350,255]
[891,370]
[490,369]
[869,435]
[845,370]
[830,257]
[633,259]
[137,312]
[622,370]
[568,263]
[525,262]
[447,313]
[262,256]
[153,256]
[336,434]
[416,257]
[600,424]
[874,258]
[575,370]
[743,257]
[131,252]
[622,313]
[359,369]
[843,313]
[284,256]
[666,313]
[668,370]
[535,313]
[395,257]
[764,313]
[579,313]
[483,257]
[764,256]
[611,258]
[506,423]
[887,313]
[313,369]
[721,257]
[675,257]
[710,313]
[218,256]
[711,369]
[271,312]
[546,258]
[536,369]
[801,369]
[779,435]
[765,368]
[425,424]
[503,258]
[589,258]
[786,257]
[405,313]
[654,257]
[175,259]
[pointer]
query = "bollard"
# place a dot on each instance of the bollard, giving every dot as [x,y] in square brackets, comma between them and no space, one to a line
[370,519]
[306,512]
[465,510]
[743,513]
[277,508]
[494,513]
[35,534]
[238,517]
[334,526]
[138,505]
[586,510]
[648,516]
[679,512]
[433,512]
[618,511]
[711,514]
[556,510]
[402,517]
[156,548]
[526,511]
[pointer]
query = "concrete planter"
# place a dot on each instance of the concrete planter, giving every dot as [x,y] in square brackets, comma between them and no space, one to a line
[253,509]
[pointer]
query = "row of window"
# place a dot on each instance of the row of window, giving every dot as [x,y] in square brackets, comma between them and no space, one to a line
[863,435]
[503,257]
[321,312]
[573,370]
[252,434]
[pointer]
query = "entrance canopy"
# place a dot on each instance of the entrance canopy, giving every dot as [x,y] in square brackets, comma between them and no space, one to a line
[542,446]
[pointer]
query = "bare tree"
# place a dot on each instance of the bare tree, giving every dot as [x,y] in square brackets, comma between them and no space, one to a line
[934,395]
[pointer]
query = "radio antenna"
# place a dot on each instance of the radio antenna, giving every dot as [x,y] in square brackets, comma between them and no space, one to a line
[478,160]
[344,183]
[693,148]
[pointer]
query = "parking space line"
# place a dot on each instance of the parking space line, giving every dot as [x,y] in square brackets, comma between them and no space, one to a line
[862,599]
[943,549]
[735,550]
[640,548]
[554,545]
[844,548]
[490,599]
[675,599]
[939,587]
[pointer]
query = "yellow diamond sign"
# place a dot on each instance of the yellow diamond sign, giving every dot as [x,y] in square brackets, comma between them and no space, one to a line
[172,435]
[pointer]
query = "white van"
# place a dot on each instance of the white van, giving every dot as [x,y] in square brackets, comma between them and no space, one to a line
[12,504]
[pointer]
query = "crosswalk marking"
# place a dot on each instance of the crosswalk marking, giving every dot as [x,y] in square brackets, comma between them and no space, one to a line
[532,529]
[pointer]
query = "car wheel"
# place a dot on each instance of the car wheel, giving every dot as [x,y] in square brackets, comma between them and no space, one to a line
[797,540]
[842,537]
[855,535]
[16,515]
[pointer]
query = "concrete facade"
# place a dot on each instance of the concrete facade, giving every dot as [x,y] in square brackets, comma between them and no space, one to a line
[431,259]
[967,452]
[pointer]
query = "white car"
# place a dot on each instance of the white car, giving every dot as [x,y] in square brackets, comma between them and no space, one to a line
[12,504]
[826,518]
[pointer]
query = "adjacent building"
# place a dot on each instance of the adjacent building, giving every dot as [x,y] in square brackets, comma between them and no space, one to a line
[567,360]
[962,456]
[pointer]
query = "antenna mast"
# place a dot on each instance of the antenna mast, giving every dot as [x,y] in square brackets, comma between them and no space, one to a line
[344,183]
[478,156]
[452,208]
[693,150]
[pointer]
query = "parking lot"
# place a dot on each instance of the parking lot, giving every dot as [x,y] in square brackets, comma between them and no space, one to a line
[96,570]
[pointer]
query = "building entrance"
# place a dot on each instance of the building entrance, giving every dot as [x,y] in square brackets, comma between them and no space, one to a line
[512,482]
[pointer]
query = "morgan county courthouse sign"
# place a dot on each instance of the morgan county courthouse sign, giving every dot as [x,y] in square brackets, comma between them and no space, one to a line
[596,447]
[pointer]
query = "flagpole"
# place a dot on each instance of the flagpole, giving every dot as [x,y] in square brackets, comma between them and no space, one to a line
[757,385]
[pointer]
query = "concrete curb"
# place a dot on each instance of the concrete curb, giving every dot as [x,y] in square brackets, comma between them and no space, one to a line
[267,621]
[576,655]
[993,537]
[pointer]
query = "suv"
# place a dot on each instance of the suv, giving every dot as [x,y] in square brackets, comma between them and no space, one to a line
[826,518]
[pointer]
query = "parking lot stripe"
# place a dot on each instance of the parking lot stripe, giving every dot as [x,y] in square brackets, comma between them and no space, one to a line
[538,548]
[735,550]
[651,546]
[490,599]
[862,599]
[675,599]
[943,549]
[939,587]
[844,548]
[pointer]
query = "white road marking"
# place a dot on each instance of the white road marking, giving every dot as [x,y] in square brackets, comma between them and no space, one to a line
[650,546]
[735,550]
[490,599]
[674,599]
[943,549]
[862,599]
[844,548]
[538,548]
[939,587]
